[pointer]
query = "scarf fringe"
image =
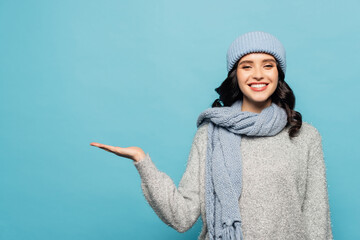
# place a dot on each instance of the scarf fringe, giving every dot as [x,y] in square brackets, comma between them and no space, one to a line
[232,232]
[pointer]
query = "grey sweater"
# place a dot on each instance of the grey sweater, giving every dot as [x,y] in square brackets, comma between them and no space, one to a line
[284,193]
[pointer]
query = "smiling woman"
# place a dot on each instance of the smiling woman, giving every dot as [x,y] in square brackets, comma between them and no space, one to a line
[255,170]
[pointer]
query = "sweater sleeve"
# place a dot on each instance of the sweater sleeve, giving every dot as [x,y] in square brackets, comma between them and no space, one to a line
[177,207]
[316,203]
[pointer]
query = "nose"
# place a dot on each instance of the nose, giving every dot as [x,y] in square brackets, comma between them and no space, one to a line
[258,74]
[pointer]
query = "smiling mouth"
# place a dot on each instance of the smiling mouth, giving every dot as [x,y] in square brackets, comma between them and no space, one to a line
[258,86]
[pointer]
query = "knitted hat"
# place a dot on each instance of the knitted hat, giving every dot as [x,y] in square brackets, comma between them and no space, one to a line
[256,42]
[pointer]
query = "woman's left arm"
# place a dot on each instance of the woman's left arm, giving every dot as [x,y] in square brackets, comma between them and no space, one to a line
[316,203]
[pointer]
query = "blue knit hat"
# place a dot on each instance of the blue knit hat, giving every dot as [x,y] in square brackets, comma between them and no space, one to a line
[256,42]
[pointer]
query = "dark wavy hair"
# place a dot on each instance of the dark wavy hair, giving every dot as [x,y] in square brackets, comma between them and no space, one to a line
[283,96]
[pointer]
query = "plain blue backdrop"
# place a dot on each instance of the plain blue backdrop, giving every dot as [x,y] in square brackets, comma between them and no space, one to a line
[138,73]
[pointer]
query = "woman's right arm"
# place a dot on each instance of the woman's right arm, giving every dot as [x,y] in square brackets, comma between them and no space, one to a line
[177,207]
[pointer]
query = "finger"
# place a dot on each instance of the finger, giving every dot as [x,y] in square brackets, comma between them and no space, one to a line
[104,146]
[123,152]
[96,144]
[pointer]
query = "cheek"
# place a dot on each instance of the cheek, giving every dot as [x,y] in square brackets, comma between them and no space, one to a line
[241,84]
[241,79]
[274,78]
[275,85]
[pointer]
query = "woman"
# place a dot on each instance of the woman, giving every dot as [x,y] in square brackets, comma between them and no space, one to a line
[255,170]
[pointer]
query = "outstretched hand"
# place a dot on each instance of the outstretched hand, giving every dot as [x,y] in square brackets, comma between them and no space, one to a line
[133,153]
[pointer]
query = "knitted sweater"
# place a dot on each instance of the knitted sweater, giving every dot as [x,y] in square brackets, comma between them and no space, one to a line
[284,193]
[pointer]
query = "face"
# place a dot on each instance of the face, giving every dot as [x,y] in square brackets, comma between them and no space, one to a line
[257,78]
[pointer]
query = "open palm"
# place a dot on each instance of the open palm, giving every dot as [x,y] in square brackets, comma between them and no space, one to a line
[134,153]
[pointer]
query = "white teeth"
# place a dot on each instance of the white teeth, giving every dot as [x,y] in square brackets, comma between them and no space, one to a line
[258,85]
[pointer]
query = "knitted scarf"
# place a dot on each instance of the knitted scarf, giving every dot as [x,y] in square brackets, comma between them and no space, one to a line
[223,162]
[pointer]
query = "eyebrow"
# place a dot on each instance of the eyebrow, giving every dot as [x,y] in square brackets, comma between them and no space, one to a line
[265,60]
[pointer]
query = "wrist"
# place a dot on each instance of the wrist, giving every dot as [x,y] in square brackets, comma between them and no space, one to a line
[140,157]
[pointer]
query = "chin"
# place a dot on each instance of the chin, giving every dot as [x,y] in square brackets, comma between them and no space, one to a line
[260,101]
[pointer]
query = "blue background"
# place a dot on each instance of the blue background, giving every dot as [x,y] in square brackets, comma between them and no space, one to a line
[138,73]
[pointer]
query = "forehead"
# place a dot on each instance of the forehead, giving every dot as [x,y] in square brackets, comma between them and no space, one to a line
[257,56]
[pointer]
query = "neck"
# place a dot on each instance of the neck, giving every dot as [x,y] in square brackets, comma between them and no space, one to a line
[254,107]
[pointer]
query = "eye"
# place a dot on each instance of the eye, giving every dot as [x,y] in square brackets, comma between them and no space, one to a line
[246,67]
[269,66]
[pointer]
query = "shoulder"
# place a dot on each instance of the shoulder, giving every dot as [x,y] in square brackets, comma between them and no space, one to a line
[202,129]
[309,131]
[200,137]
[308,134]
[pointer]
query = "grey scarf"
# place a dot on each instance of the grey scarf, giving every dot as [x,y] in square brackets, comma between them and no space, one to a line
[223,161]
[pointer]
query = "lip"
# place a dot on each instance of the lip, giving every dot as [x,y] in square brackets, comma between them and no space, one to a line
[258,89]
